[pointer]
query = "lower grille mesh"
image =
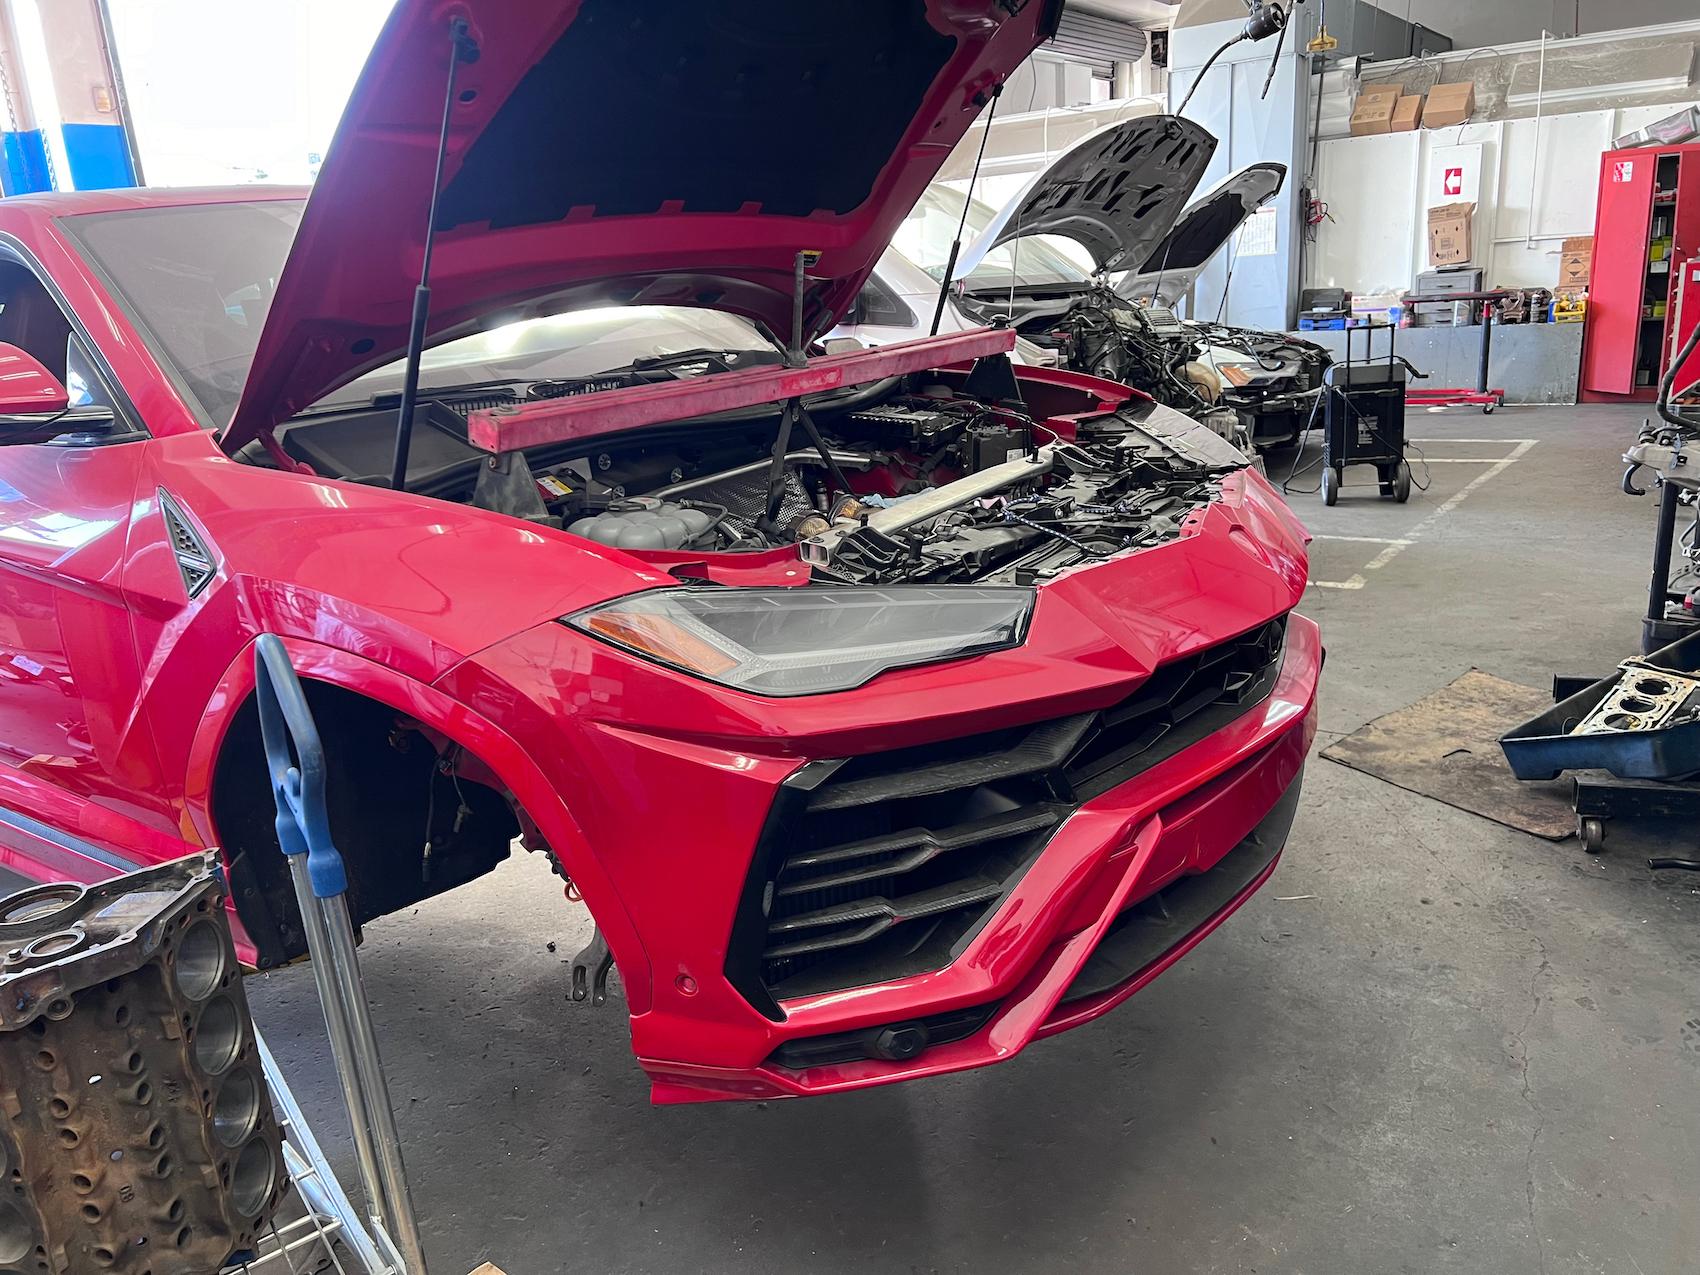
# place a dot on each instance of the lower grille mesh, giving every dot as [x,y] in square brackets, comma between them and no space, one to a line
[882,867]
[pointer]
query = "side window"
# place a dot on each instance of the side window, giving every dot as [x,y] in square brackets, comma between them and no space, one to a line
[879,304]
[31,319]
[85,385]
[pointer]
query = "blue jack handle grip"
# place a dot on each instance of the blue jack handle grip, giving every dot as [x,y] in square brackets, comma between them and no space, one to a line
[298,780]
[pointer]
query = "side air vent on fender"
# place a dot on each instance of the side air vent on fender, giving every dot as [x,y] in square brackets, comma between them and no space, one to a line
[194,559]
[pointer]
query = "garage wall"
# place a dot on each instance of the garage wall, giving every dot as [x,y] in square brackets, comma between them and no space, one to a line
[1379,189]
[1255,288]
[1474,24]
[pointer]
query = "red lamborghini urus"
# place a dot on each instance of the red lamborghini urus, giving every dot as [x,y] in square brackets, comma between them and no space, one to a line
[888,708]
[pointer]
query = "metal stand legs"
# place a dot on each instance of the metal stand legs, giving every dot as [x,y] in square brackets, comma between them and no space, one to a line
[1664,543]
[296,761]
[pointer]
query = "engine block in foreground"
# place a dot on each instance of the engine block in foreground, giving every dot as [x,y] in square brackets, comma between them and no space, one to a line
[136,1128]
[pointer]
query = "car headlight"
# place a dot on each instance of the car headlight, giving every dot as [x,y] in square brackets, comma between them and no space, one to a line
[806,641]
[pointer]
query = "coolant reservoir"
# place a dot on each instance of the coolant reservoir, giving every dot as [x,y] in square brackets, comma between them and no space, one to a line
[1206,379]
[644,523]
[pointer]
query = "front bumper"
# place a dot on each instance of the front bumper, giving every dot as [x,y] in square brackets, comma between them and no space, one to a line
[653,789]
[1204,830]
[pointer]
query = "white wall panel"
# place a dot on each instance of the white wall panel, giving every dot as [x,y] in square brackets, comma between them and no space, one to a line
[1379,189]
[1373,186]
[1559,159]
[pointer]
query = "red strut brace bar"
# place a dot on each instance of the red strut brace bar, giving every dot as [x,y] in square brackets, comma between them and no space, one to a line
[511,429]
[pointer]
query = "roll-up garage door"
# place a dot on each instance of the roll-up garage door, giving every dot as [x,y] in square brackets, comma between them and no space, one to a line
[1097,41]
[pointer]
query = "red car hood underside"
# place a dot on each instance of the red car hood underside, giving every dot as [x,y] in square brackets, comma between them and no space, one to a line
[600,152]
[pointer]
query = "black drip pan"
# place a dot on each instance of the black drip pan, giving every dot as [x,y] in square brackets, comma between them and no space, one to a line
[1543,747]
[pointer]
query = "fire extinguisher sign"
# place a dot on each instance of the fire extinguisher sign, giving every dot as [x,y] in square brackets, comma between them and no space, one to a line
[1623,171]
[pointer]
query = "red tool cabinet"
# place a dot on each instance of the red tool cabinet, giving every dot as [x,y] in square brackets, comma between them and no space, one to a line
[1645,236]
[1685,317]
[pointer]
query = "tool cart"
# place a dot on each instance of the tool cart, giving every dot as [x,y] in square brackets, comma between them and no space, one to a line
[1634,737]
[1364,418]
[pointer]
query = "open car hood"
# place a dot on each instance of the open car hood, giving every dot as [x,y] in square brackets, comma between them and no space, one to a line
[1116,192]
[600,152]
[1175,263]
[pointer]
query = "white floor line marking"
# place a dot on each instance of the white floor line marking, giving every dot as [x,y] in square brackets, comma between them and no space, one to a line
[1457,498]
[1509,442]
[1364,540]
[1356,582]
[1467,460]
[1385,556]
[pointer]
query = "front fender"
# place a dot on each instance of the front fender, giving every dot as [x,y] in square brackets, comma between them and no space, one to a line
[441,713]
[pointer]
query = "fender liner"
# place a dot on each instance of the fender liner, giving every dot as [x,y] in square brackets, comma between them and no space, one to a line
[541,801]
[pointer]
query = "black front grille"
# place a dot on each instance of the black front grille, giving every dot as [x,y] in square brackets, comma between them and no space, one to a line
[883,866]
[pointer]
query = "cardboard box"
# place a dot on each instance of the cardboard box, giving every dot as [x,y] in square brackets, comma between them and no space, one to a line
[1374,117]
[1372,114]
[1576,264]
[1408,115]
[1450,104]
[1449,235]
[1389,89]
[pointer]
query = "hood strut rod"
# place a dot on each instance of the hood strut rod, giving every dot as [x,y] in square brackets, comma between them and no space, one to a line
[793,412]
[967,203]
[465,49]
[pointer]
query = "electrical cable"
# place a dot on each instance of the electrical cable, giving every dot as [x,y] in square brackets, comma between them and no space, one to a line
[1274,62]
[1011,516]
[1020,213]
[1316,210]
[1015,242]
[1299,451]
[1222,305]
[1205,70]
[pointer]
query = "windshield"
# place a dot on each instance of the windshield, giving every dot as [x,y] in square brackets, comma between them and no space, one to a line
[572,346]
[199,279]
[1032,262]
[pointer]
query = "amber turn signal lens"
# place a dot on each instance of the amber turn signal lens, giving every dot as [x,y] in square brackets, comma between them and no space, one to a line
[809,640]
[663,638]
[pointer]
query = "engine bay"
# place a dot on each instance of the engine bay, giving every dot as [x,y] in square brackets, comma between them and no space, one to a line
[926,478]
[1250,386]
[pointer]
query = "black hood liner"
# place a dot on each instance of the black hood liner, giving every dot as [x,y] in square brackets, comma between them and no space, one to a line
[792,105]
[1116,193]
[1206,226]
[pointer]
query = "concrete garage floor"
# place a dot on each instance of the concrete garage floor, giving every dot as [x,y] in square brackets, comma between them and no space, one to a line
[1472,1051]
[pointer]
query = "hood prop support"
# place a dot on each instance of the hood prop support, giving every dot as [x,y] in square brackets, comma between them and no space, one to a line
[967,203]
[464,49]
[794,413]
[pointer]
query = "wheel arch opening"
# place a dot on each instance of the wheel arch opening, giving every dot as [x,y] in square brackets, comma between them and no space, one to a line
[409,824]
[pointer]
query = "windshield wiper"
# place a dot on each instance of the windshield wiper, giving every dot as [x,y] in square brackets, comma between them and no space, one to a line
[656,368]
[385,399]
[713,360]
[472,389]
